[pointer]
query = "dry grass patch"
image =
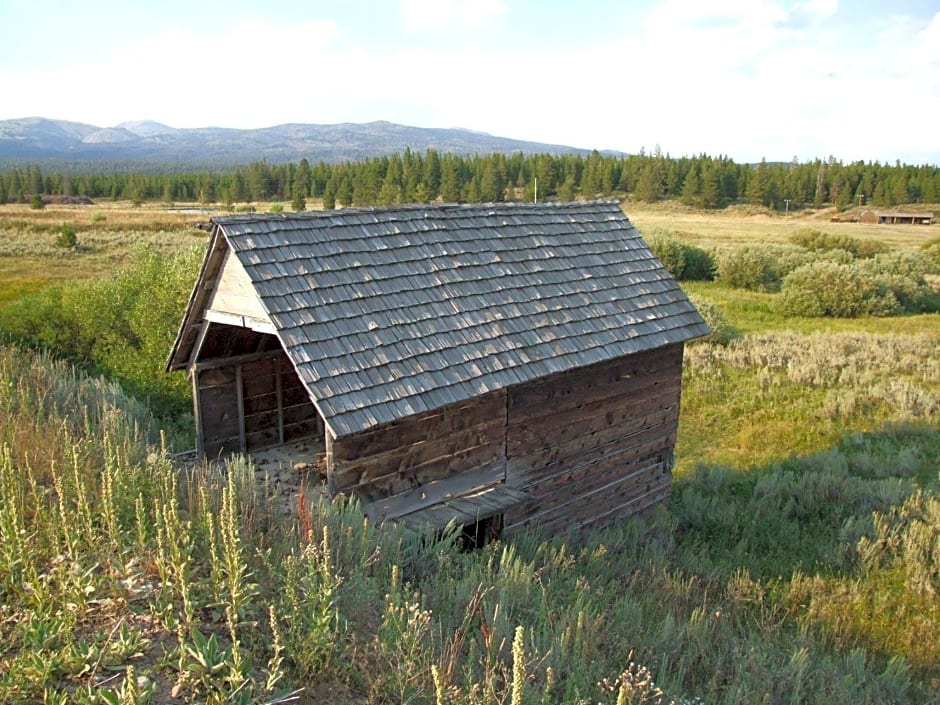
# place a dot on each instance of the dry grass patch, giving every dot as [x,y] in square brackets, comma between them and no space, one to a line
[734,227]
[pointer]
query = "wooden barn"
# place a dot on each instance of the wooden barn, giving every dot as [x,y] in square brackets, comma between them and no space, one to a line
[896,218]
[518,364]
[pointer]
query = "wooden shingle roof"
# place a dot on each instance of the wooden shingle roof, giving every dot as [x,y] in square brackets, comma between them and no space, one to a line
[391,312]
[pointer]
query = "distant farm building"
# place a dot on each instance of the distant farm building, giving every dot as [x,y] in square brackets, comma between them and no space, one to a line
[897,217]
[516,363]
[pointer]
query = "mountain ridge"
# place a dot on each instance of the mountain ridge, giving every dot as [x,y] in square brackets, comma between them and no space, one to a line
[38,139]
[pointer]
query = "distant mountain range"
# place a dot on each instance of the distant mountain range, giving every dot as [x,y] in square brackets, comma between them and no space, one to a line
[146,143]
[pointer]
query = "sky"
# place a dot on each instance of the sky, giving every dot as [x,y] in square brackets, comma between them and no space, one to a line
[749,79]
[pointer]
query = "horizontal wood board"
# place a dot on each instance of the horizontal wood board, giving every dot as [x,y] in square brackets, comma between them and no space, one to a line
[593,442]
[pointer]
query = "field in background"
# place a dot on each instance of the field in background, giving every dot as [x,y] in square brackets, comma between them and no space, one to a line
[797,562]
[106,233]
[745,225]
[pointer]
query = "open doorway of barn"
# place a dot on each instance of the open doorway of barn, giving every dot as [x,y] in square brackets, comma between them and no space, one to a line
[248,398]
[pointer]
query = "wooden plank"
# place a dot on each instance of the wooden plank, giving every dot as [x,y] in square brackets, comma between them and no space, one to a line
[452,419]
[618,495]
[279,396]
[261,402]
[435,492]
[197,415]
[292,396]
[258,377]
[604,515]
[299,412]
[216,377]
[584,449]
[576,388]
[234,293]
[567,487]
[230,362]
[240,406]
[466,510]
[443,451]
[600,422]
[239,321]
[328,458]
[308,428]
[407,477]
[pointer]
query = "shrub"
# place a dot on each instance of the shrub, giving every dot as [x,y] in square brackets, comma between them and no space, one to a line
[748,268]
[819,241]
[123,326]
[66,237]
[684,261]
[277,208]
[37,203]
[902,274]
[827,289]
[931,250]
[722,330]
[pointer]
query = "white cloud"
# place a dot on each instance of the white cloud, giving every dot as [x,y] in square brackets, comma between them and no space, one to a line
[421,15]
[747,79]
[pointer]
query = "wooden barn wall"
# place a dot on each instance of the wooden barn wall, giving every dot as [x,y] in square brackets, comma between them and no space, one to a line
[594,444]
[394,459]
[253,404]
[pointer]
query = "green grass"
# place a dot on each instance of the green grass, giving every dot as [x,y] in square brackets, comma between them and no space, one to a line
[757,311]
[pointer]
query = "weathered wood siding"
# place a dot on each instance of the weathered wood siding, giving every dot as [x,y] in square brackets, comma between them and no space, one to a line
[234,293]
[252,403]
[594,444]
[393,460]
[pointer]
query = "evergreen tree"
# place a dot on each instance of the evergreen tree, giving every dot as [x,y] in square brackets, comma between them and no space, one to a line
[928,189]
[711,196]
[647,188]
[329,195]
[450,180]
[568,190]
[432,174]
[298,200]
[493,180]
[691,187]
[756,193]
[899,192]
[344,192]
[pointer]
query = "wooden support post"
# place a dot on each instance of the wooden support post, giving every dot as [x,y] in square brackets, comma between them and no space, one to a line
[197,413]
[330,484]
[240,394]
[279,390]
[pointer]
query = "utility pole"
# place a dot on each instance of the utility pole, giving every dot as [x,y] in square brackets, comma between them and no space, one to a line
[787,202]
[860,197]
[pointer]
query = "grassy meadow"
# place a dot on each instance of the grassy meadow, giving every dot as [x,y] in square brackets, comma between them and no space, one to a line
[797,562]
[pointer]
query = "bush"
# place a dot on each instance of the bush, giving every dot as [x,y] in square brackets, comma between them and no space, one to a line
[722,330]
[66,237]
[931,250]
[684,261]
[819,241]
[902,274]
[123,326]
[748,268]
[827,289]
